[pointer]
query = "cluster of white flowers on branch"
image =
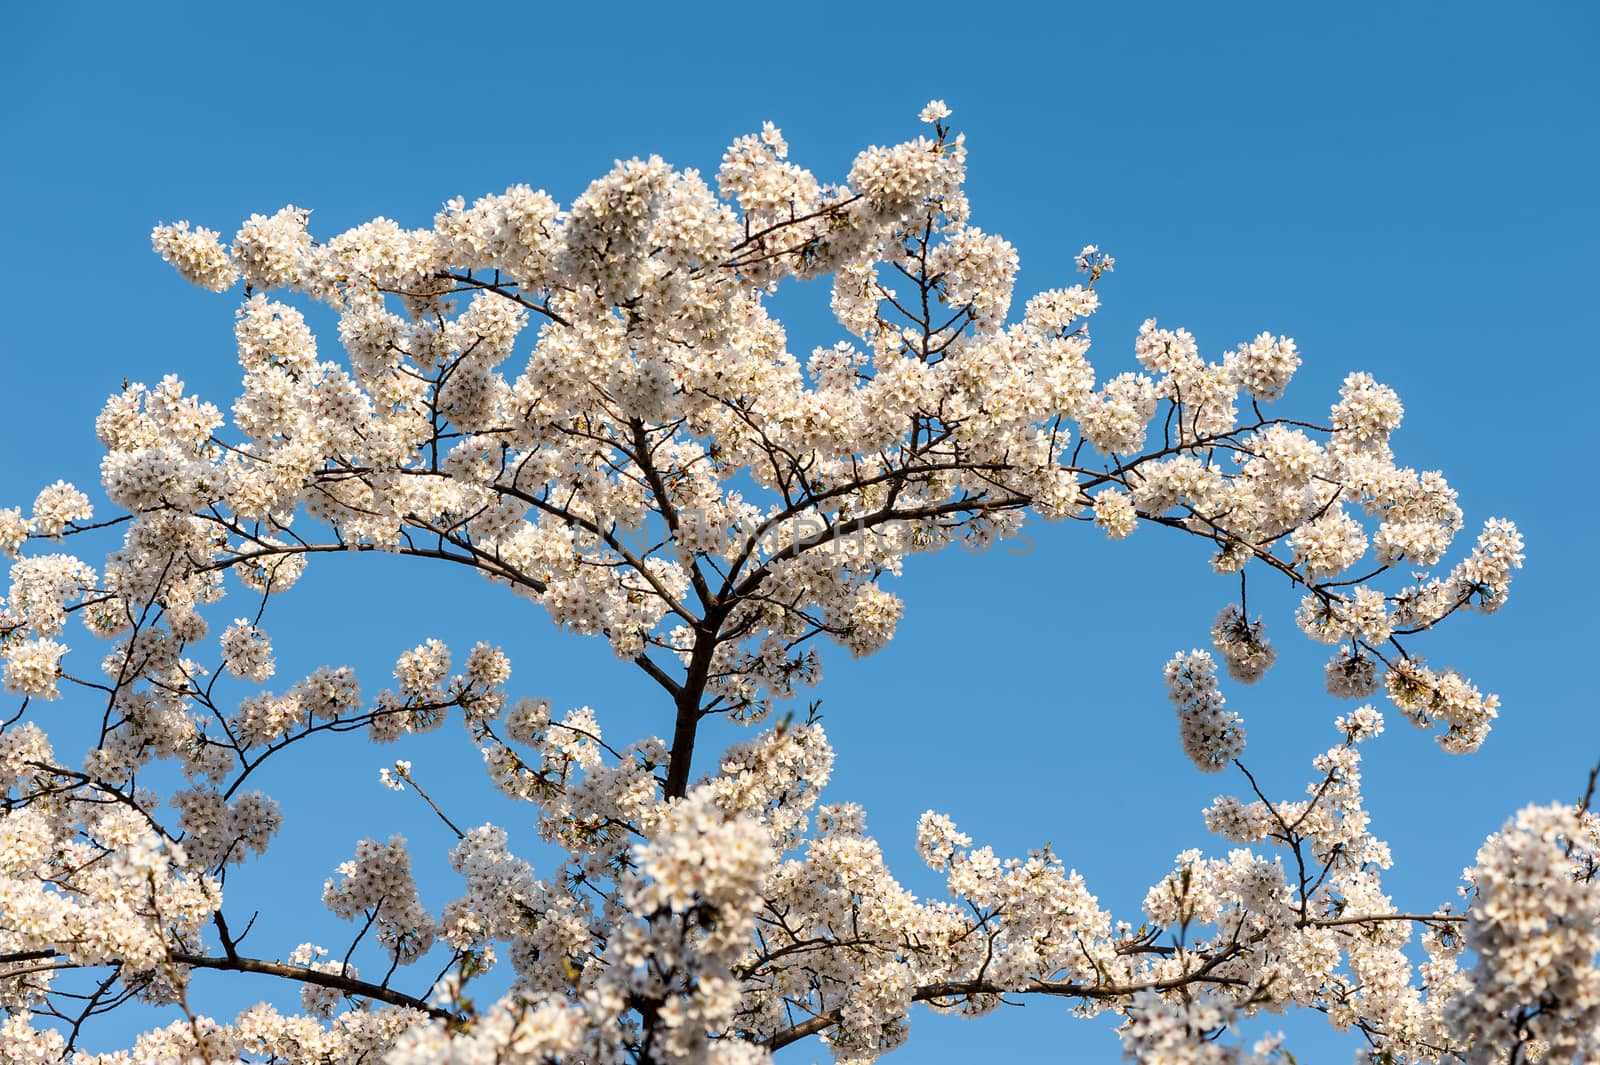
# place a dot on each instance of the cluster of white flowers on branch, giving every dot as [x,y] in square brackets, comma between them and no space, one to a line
[656,467]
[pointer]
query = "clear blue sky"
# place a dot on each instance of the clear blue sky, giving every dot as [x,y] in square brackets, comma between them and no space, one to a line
[1406,189]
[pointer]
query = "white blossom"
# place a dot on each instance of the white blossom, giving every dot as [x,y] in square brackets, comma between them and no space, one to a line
[1212,735]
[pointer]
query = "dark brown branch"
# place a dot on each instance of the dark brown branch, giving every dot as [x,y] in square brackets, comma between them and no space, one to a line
[968,988]
[238,963]
[332,981]
[1425,918]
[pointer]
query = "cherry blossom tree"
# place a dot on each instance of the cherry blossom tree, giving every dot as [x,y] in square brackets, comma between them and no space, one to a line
[592,407]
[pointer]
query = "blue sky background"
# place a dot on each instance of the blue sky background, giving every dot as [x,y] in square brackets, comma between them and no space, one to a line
[1405,189]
